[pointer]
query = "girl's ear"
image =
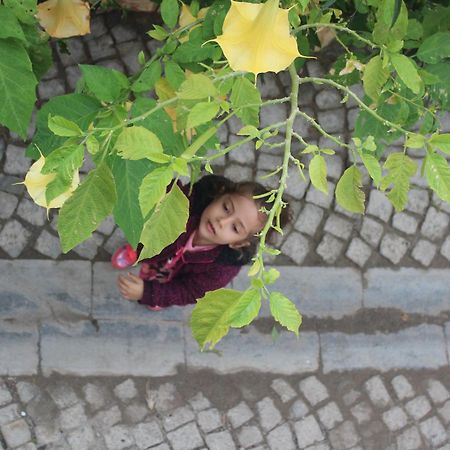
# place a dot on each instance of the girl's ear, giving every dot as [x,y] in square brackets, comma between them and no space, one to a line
[239,245]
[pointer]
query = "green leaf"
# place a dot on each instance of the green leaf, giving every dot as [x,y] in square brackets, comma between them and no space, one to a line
[245,309]
[24,10]
[63,127]
[166,223]
[415,141]
[56,187]
[38,49]
[437,173]
[196,87]
[210,316]
[249,130]
[285,312]
[17,86]
[199,142]
[441,141]
[158,33]
[270,276]
[88,206]
[64,160]
[147,78]
[169,12]
[318,173]
[128,176]
[440,92]
[243,94]
[407,72]
[153,188]
[375,77]
[373,167]
[92,145]
[174,74]
[10,25]
[180,165]
[434,48]
[202,113]
[348,191]
[106,84]
[137,143]
[401,168]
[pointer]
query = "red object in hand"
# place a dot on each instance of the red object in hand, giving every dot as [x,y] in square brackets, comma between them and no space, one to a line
[124,257]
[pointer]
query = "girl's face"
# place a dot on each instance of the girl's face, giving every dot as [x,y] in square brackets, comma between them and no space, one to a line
[229,220]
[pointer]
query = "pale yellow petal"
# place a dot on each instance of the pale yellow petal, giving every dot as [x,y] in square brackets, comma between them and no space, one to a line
[256,37]
[64,18]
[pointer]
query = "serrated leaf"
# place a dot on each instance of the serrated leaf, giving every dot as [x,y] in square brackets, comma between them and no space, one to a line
[437,173]
[137,142]
[10,25]
[147,78]
[373,167]
[196,87]
[209,317]
[63,127]
[441,141]
[407,72]
[17,86]
[64,160]
[375,77]
[400,169]
[169,12]
[246,100]
[415,141]
[434,48]
[348,191]
[166,223]
[202,113]
[285,312]
[270,276]
[245,309]
[153,188]
[88,206]
[318,173]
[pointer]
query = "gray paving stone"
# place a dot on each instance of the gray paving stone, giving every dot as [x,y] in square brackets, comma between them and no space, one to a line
[73,74]
[433,432]
[249,435]
[335,166]
[296,246]
[395,418]
[281,438]
[313,390]
[338,226]
[115,348]
[5,395]
[445,248]
[445,412]
[268,86]
[199,402]
[308,432]
[63,395]
[319,198]
[8,203]
[404,222]
[9,184]
[50,88]
[309,219]
[284,390]
[89,248]
[371,231]
[126,390]
[358,90]
[298,409]
[358,251]
[418,407]
[16,163]
[94,395]
[273,114]
[31,212]
[123,33]
[406,289]
[332,121]
[409,439]
[257,351]
[118,437]
[269,415]
[415,348]
[178,417]
[102,48]
[105,419]
[418,201]
[164,399]
[244,154]
[328,99]
[344,436]
[147,434]
[107,226]
[402,387]
[82,437]
[437,391]
[16,433]
[48,244]
[352,116]
[9,413]
[18,339]
[40,290]
[129,54]
[135,412]
[185,438]
[424,252]
[329,248]
[209,420]
[239,173]
[351,396]
[435,224]
[379,205]
[330,415]
[14,238]
[362,412]
[393,247]
[239,414]
[267,162]
[377,392]
[440,204]
[76,55]
[220,441]
[72,417]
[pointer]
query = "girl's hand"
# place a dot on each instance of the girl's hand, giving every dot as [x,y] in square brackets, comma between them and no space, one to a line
[130,286]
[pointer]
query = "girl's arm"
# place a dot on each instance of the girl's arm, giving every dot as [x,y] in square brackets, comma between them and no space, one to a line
[186,289]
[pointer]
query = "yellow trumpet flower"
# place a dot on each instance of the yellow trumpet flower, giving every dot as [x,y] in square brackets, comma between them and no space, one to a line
[64,18]
[37,182]
[256,37]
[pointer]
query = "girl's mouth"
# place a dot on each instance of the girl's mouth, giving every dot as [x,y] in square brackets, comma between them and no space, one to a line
[210,228]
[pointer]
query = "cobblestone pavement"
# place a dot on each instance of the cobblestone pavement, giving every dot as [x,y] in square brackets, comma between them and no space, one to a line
[321,233]
[345,411]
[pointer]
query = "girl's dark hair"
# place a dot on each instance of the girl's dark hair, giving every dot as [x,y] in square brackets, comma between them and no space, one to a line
[210,187]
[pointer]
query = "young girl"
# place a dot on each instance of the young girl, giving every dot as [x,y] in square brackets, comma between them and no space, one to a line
[219,239]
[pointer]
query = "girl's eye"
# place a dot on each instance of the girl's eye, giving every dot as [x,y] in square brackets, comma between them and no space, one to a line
[225,207]
[235,229]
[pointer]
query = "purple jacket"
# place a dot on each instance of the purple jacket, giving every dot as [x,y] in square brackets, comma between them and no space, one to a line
[194,274]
